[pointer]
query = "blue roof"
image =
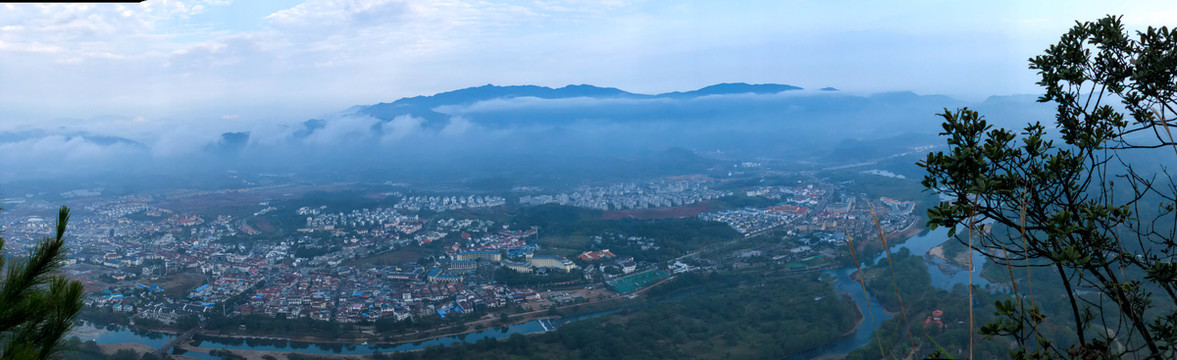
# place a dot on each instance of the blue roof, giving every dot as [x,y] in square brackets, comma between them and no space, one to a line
[443,311]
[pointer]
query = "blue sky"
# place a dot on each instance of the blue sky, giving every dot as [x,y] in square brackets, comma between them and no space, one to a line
[150,65]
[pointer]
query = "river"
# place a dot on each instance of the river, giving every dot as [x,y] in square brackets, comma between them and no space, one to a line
[918,245]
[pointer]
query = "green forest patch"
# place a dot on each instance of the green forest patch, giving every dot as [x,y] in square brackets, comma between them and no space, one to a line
[391,258]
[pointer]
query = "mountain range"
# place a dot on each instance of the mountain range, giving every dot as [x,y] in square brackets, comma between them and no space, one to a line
[526,130]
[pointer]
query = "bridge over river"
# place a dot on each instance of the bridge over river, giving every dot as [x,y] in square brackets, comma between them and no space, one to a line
[179,339]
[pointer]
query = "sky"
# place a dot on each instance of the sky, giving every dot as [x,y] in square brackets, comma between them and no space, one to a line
[168,63]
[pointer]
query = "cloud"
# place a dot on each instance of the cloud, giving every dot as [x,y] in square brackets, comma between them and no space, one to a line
[270,133]
[167,61]
[64,151]
[33,47]
[340,12]
[341,130]
[164,57]
[183,141]
[399,128]
[458,125]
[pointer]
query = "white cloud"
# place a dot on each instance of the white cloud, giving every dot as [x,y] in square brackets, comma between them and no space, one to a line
[183,141]
[60,150]
[458,125]
[341,13]
[162,59]
[399,128]
[270,133]
[343,130]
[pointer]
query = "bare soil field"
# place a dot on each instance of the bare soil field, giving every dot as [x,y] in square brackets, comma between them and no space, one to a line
[395,257]
[178,285]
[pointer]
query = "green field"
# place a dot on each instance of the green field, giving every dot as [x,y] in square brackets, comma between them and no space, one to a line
[634,282]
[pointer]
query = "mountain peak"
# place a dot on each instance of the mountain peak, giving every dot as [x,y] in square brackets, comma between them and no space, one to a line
[733,88]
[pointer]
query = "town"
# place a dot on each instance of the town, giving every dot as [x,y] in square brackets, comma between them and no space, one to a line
[424,255]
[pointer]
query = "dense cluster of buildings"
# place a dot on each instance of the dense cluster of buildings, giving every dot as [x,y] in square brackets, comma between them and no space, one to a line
[654,194]
[807,195]
[380,217]
[443,203]
[806,209]
[749,221]
[127,247]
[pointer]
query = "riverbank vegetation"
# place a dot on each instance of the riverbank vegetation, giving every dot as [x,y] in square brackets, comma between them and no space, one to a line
[917,298]
[921,298]
[76,349]
[733,314]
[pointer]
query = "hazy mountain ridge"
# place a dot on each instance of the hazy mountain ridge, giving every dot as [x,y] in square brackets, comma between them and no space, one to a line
[426,107]
[571,131]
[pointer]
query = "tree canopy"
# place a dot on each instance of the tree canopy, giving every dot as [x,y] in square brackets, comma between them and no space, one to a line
[37,307]
[1093,201]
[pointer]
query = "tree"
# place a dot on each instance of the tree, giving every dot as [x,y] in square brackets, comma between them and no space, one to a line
[125,354]
[1097,208]
[38,308]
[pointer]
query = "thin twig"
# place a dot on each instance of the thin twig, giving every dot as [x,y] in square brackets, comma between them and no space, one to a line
[894,282]
[869,311]
[972,223]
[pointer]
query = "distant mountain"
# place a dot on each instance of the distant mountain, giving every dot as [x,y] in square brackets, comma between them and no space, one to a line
[490,92]
[586,131]
[577,114]
[230,144]
[515,133]
[426,107]
[731,89]
[423,106]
